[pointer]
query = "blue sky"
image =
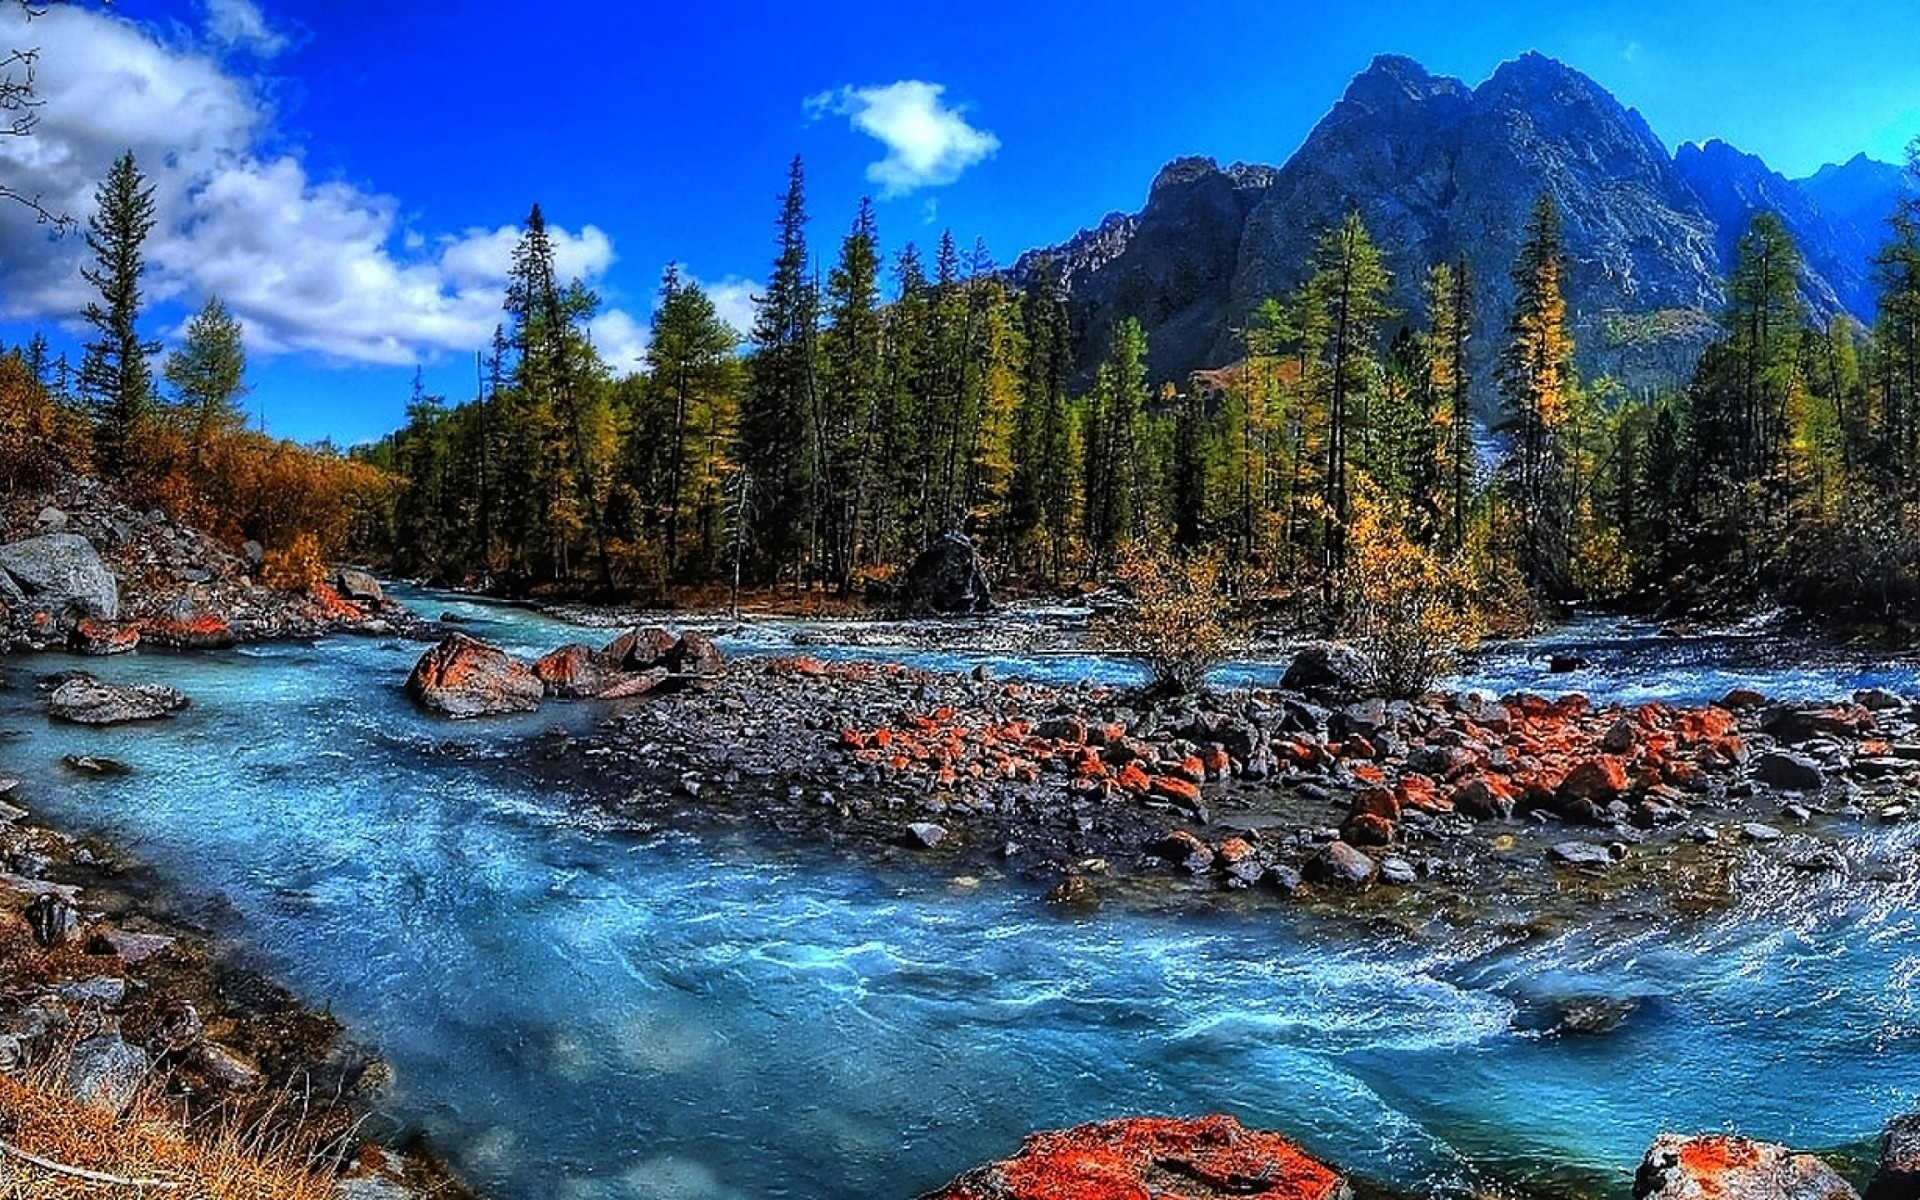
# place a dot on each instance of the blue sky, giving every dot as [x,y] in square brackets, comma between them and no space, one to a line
[348,176]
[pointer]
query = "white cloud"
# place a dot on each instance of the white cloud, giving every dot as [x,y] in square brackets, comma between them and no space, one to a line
[621,341]
[733,301]
[928,144]
[238,25]
[315,267]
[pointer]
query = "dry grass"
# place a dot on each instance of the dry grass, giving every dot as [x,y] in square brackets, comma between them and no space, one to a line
[215,1157]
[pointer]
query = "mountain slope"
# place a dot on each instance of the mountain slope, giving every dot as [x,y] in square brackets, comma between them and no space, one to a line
[1442,172]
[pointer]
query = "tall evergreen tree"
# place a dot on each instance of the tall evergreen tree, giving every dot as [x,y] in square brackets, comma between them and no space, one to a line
[774,433]
[1347,298]
[114,375]
[1537,386]
[845,429]
[691,367]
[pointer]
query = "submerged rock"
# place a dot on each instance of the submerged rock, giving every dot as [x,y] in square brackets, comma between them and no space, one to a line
[85,700]
[1720,1166]
[1146,1156]
[466,677]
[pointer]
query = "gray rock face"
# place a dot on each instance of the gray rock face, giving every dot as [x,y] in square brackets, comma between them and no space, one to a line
[1171,267]
[1441,171]
[1736,187]
[60,574]
[1722,1167]
[85,700]
[106,1071]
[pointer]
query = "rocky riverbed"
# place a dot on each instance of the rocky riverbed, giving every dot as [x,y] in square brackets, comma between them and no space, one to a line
[1456,805]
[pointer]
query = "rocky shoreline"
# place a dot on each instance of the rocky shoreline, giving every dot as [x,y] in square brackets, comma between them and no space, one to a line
[105,981]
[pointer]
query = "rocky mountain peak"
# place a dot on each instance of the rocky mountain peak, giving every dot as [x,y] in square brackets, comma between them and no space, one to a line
[1440,172]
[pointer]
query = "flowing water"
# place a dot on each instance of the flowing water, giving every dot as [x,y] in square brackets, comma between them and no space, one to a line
[577,1011]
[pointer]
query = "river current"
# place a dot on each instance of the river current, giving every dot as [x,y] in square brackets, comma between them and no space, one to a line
[581,1011]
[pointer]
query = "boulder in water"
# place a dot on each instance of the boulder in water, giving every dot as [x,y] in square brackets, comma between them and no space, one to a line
[59,574]
[1720,1166]
[948,577]
[1790,772]
[572,671]
[85,700]
[1899,1175]
[466,677]
[101,638]
[359,587]
[1196,1159]
[1343,866]
[1331,672]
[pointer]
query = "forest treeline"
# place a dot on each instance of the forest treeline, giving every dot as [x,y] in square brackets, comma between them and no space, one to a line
[877,404]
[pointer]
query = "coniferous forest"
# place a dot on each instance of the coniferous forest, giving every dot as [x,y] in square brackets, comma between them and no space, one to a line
[880,402]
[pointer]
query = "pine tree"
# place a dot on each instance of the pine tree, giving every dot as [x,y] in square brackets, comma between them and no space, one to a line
[850,388]
[691,366]
[209,375]
[774,436]
[558,374]
[1347,301]
[114,376]
[1764,318]
[1537,385]
[1114,416]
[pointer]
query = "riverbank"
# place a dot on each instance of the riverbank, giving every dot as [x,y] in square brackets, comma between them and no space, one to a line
[117,1003]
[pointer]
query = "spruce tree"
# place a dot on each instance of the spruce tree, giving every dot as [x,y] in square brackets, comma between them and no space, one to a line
[1537,385]
[774,439]
[209,375]
[845,428]
[691,367]
[115,378]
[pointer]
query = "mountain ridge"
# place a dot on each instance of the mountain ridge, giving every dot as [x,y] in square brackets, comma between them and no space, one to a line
[1441,171]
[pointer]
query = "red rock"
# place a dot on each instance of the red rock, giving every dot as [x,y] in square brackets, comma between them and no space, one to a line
[1191,769]
[1367,829]
[465,677]
[569,671]
[1183,849]
[1484,798]
[1720,1166]
[1699,725]
[1417,791]
[1217,763]
[202,631]
[1602,778]
[1376,802]
[1135,780]
[1168,787]
[1145,1158]
[102,637]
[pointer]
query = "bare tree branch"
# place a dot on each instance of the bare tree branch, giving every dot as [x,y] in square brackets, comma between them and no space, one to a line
[19,114]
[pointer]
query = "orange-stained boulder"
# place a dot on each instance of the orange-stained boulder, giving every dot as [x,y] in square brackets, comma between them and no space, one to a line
[465,677]
[1150,1158]
[1718,1166]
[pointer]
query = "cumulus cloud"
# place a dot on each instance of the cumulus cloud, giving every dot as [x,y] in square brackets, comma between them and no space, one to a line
[621,341]
[316,267]
[239,25]
[733,302]
[928,143]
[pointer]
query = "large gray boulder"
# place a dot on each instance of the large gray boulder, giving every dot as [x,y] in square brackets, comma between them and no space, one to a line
[60,574]
[1719,1166]
[85,700]
[106,1071]
[1899,1175]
